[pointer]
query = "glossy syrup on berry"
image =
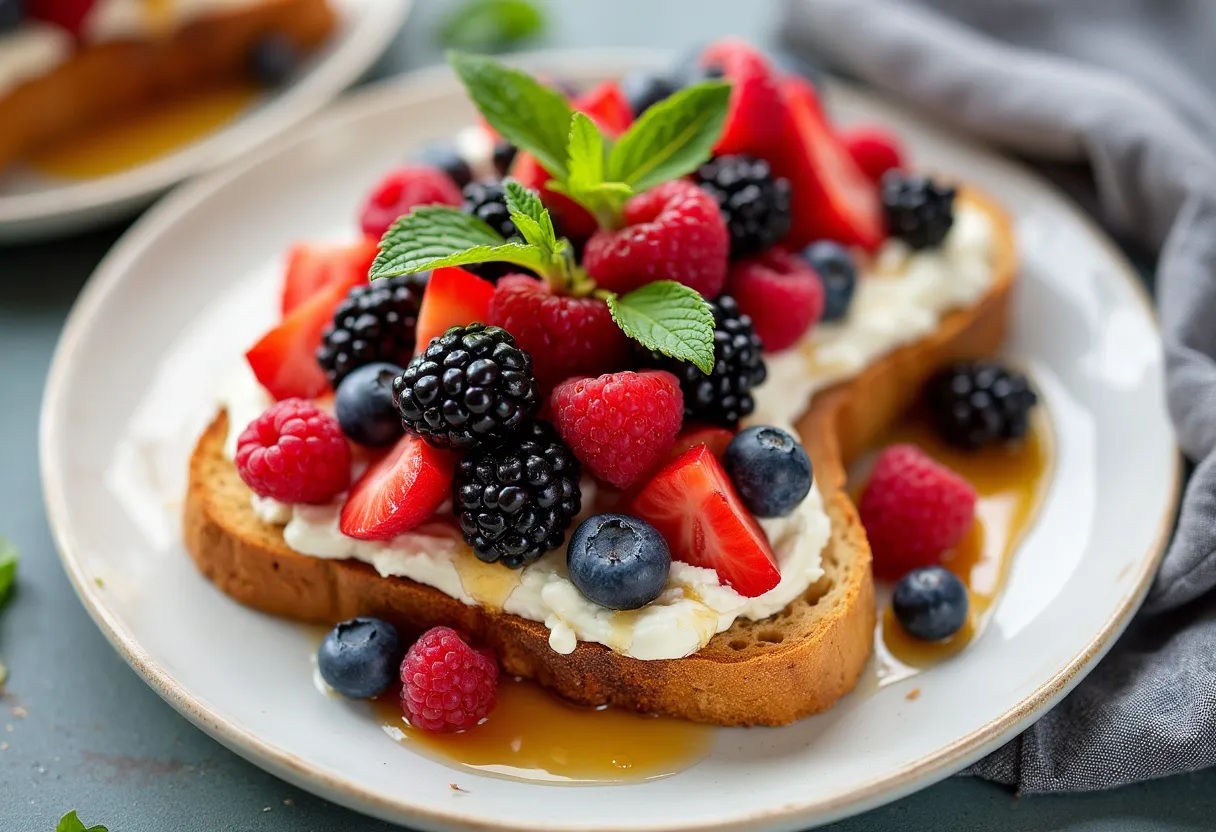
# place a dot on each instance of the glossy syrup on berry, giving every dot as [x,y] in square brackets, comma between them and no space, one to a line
[1012,482]
[534,736]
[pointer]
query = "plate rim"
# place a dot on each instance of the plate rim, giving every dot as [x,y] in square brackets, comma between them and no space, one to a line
[437,81]
[39,214]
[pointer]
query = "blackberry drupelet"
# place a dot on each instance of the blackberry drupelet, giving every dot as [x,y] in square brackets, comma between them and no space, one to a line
[488,202]
[515,499]
[980,403]
[504,156]
[471,385]
[375,322]
[917,210]
[724,396]
[754,203]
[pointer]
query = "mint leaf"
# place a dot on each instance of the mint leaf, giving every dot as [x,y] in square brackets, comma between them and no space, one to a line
[530,216]
[524,111]
[71,823]
[671,139]
[585,152]
[435,236]
[668,317]
[491,25]
[8,569]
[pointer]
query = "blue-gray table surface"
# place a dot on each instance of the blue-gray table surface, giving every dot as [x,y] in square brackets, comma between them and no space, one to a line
[79,730]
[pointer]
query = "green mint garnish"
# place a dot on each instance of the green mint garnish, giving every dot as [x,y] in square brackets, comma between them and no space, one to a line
[668,317]
[71,823]
[586,184]
[8,569]
[671,139]
[530,217]
[491,25]
[524,111]
[436,236]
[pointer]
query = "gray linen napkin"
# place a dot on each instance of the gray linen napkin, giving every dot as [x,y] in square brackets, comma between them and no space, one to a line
[1128,87]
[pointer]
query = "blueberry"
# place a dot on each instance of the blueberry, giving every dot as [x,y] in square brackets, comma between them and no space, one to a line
[645,89]
[360,658]
[447,159]
[364,405]
[617,561]
[273,59]
[770,470]
[931,603]
[11,12]
[504,156]
[835,268]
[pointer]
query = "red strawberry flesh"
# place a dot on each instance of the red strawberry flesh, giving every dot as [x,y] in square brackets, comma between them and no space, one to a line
[453,297]
[311,268]
[399,492]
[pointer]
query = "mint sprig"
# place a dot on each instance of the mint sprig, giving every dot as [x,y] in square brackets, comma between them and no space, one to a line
[434,236]
[668,317]
[524,111]
[491,25]
[71,823]
[8,569]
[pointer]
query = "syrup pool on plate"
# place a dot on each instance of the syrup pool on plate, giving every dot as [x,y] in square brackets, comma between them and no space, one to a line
[1012,483]
[535,736]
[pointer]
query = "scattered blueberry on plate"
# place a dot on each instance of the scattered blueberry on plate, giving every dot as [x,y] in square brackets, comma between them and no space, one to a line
[618,562]
[360,658]
[931,604]
[770,470]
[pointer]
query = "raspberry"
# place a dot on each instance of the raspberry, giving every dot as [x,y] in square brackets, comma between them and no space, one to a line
[874,149]
[402,190]
[673,232]
[294,452]
[913,510]
[446,685]
[565,336]
[781,293]
[620,425]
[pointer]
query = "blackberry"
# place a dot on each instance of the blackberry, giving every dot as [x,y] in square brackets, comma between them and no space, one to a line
[504,156]
[724,396]
[375,322]
[980,403]
[488,202]
[448,159]
[917,210]
[471,385]
[515,499]
[645,89]
[754,203]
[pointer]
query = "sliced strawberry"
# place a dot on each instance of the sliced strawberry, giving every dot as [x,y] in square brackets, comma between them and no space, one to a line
[712,437]
[697,510]
[758,121]
[453,297]
[832,197]
[68,14]
[399,492]
[576,222]
[285,359]
[311,268]
[607,106]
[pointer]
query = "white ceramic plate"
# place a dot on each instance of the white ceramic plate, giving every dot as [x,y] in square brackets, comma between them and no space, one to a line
[34,206]
[194,282]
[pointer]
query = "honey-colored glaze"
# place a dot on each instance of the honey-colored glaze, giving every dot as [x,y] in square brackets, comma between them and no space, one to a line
[1012,483]
[140,138]
[489,584]
[534,736]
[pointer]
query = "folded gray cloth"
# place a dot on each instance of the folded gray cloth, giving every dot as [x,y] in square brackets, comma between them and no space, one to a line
[1128,87]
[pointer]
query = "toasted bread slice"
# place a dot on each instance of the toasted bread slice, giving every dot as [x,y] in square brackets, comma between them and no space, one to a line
[104,81]
[771,672]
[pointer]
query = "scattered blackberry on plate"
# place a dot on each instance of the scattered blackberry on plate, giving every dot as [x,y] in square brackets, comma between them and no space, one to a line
[504,156]
[447,159]
[471,385]
[645,89]
[515,499]
[375,322]
[754,203]
[724,396]
[980,403]
[488,202]
[917,210]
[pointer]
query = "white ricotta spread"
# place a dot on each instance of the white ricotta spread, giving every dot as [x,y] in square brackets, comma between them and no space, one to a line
[899,299]
[32,50]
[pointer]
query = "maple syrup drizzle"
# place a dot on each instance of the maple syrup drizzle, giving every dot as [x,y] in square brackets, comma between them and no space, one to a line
[140,138]
[533,735]
[1012,483]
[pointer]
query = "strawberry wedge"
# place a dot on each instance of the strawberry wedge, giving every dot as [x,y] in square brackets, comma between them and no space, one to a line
[453,297]
[697,510]
[399,492]
[311,268]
